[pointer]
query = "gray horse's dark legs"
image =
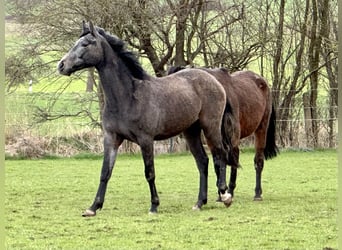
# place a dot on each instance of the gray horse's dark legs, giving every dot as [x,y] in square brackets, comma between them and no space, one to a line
[147,153]
[220,164]
[232,179]
[106,172]
[110,153]
[193,138]
[220,167]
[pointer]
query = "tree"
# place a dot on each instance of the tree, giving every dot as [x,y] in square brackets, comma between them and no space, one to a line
[292,43]
[146,26]
[329,55]
[313,57]
[318,34]
[287,87]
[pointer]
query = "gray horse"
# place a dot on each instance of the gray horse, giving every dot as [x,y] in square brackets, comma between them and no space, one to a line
[142,108]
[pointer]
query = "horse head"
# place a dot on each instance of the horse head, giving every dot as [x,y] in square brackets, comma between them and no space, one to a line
[87,51]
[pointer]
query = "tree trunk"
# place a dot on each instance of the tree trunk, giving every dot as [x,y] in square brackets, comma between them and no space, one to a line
[330,65]
[264,26]
[145,37]
[294,88]
[307,118]
[278,53]
[182,15]
[277,78]
[314,50]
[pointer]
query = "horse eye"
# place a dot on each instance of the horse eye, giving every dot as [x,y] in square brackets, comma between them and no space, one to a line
[84,44]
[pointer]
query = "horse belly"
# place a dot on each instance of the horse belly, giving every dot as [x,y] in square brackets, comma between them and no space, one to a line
[247,127]
[251,115]
[173,121]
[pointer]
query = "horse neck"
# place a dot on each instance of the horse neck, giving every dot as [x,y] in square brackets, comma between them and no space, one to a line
[117,84]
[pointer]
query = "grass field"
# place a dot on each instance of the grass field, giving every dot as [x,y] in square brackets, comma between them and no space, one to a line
[45,199]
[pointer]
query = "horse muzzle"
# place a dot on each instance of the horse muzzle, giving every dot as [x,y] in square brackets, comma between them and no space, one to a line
[62,68]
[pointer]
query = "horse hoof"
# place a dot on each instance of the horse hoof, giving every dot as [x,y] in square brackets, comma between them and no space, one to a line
[89,213]
[227,199]
[196,207]
[258,198]
[228,202]
[152,212]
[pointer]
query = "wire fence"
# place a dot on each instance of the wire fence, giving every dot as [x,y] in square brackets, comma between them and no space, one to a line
[72,135]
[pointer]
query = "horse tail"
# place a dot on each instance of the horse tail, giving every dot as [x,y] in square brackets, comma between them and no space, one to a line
[271,150]
[227,132]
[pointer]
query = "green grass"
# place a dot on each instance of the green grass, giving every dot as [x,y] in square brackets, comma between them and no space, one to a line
[45,199]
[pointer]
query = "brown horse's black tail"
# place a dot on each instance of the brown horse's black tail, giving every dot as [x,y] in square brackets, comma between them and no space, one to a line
[271,150]
[227,132]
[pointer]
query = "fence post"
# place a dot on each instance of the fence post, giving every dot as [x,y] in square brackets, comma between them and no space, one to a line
[30,86]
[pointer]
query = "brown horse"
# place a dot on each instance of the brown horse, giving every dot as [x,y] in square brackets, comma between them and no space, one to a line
[142,108]
[253,113]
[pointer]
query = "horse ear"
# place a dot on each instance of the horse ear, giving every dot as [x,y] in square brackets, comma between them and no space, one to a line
[83,27]
[92,29]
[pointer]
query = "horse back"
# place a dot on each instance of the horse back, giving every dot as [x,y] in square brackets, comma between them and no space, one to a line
[169,105]
[198,81]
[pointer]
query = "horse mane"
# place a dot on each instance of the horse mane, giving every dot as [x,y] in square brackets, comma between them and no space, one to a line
[128,57]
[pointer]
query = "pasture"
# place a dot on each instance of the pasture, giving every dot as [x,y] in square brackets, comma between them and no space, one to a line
[45,199]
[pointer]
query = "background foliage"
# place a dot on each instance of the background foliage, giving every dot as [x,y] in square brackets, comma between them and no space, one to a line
[291,43]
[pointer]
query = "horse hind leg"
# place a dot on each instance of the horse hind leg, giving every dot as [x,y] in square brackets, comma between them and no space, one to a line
[233,172]
[214,142]
[211,123]
[259,165]
[193,138]
[259,162]
[146,146]
[233,175]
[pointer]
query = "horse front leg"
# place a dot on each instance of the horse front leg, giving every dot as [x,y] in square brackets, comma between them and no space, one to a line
[148,156]
[111,145]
